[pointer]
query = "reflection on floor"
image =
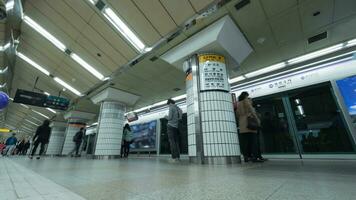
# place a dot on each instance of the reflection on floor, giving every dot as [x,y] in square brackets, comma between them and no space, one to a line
[156,179]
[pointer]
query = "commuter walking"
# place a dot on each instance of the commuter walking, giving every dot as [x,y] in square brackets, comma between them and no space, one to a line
[41,137]
[10,145]
[174,115]
[126,139]
[77,139]
[25,147]
[249,124]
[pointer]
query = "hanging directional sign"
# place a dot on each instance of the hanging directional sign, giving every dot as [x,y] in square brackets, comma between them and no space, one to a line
[41,100]
[57,103]
[30,98]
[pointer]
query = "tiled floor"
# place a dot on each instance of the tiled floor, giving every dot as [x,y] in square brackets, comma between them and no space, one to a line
[156,179]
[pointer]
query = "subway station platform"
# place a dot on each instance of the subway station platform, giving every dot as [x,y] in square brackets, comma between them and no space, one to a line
[155,178]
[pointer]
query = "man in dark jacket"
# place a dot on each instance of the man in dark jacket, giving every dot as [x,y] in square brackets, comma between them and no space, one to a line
[42,136]
[77,139]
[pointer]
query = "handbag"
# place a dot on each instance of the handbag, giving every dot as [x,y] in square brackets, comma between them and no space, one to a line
[252,123]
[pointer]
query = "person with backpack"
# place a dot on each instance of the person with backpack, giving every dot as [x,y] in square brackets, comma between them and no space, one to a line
[126,139]
[41,137]
[77,139]
[174,116]
[10,145]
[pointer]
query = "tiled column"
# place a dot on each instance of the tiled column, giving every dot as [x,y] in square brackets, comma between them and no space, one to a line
[56,139]
[76,120]
[111,121]
[212,132]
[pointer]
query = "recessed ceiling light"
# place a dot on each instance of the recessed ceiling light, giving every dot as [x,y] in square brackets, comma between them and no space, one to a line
[87,66]
[66,85]
[32,63]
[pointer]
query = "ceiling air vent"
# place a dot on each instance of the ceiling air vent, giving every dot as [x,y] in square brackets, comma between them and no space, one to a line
[100,5]
[242,4]
[318,37]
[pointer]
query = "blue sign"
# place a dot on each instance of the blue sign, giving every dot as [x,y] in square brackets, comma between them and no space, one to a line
[347,87]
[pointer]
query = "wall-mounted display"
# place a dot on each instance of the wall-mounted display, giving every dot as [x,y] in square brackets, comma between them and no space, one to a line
[347,87]
[144,136]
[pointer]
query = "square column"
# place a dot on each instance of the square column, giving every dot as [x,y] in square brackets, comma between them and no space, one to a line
[76,120]
[56,139]
[111,120]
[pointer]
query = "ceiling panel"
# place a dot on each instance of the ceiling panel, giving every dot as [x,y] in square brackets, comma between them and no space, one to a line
[275,7]
[136,20]
[198,5]
[344,8]
[312,24]
[287,27]
[180,11]
[109,39]
[82,8]
[51,21]
[157,15]
[343,31]
[66,12]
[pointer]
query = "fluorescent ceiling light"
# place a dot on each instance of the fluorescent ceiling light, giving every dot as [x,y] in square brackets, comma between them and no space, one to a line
[45,116]
[52,110]
[36,119]
[24,105]
[46,93]
[31,122]
[315,54]
[3,85]
[266,70]
[11,99]
[3,48]
[87,66]
[350,43]
[92,1]
[10,5]
[236,79]
[177,98]
[66,85]
[44,33]
[123,29]
[31,62]
[3,71]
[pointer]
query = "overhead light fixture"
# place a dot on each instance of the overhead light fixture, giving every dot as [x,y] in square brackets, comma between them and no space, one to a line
[315,54]
[119,24]
[9,5]
[266,70]
[23,105]
[92,1]
[2,85]
[351,43]
[34,64]
[36,119]
[31,122]
[3,71]
[53,111]
[45,116]
[46,93]
[44,33]
[67,86]
[6,46]
[87,66]
[11,99]
[236,79]
[177,98]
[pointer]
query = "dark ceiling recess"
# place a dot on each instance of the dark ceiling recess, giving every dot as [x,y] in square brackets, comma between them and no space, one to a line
[153,58]
[316,13]
[242,4]
[318,37]
[98,54]
[100,5]
[176,89]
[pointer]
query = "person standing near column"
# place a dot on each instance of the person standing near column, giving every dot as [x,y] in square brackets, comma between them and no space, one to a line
[10,145]
[126,136]
[41,137]
[174,115]
[77,139]
[247,134]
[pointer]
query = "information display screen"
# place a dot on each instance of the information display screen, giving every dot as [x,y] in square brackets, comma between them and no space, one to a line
[347,87]
[144,136]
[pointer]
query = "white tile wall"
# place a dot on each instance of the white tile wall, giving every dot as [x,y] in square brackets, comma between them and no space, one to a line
[111,122]
[69,133]
[56,141]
